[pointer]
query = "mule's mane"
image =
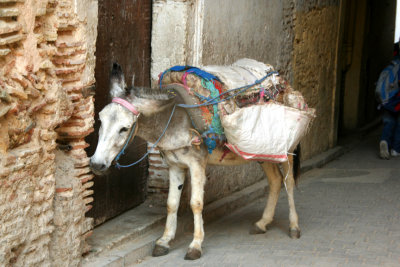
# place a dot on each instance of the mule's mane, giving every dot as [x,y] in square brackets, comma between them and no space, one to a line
[148,93]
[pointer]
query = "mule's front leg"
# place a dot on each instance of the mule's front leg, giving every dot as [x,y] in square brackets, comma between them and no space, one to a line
[198,178]
[294,229]
[176,179]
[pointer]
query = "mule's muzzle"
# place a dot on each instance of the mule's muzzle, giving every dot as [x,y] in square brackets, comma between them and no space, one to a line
[97,168]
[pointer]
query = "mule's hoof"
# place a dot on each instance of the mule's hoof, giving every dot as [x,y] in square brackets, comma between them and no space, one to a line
[294,233]
[255,230]
[193,254]
[160,251]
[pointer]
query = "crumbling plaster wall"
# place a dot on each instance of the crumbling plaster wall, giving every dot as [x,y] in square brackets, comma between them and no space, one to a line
[254,29]
[169,27]
[315,49]
[299,38]
[245,29]
[46,110]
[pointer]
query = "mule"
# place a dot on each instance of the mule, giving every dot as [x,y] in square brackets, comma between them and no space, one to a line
[149,110]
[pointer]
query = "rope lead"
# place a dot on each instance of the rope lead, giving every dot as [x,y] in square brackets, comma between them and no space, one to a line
[117,165]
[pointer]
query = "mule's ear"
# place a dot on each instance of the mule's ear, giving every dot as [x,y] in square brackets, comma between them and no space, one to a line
[117,81]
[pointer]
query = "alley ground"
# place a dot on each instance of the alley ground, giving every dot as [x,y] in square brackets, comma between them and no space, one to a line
[349,214]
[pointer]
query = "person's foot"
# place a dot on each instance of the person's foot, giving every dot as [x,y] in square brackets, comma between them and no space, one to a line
[394,153]
[384,150]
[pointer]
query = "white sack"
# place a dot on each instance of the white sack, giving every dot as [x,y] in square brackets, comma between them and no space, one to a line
[243,72]
[266,131]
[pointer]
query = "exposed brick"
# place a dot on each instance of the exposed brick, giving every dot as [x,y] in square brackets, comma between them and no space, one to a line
[47,135]
[88,200]
[72,123]
[155,161]
[88,185]
[73,88]
[24,152]
[81,171]
[70,133]
[63,189]
[35,105]
[82,162]
[4,172]
[63,44]
[82,115]
[69,61]
[75,97]
[70,52]
[86,178]
[10,159]
[157,168]
[87,193]
[88,207]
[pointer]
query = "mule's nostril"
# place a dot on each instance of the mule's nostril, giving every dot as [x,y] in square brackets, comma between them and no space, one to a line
[97,166]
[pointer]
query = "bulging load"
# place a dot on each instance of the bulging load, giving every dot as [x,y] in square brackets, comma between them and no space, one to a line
[251,110]
[265,131]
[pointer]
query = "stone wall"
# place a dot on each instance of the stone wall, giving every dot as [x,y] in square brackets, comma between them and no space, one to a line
[169,29]
[46,110]
[246,29]
[314,66]
[299,38]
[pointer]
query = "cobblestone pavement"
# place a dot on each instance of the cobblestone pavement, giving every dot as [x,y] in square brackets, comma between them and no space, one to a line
[349,214]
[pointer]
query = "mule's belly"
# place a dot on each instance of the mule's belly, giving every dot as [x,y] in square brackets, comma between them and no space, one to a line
[229,159]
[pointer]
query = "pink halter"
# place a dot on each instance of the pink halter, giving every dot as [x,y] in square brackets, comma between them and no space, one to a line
[126,104]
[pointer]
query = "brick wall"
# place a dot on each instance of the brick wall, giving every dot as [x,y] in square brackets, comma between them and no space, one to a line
[44,176]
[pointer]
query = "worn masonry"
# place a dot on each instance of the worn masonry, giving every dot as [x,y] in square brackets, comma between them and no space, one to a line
[46,110]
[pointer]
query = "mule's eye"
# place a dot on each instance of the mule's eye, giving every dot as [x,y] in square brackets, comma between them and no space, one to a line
[123,129]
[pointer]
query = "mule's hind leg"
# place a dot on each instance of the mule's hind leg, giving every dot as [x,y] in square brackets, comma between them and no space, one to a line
[274,181]
[176,179]
[198,179]
[294,230]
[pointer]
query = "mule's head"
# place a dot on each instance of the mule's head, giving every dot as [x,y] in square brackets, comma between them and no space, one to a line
[116,124]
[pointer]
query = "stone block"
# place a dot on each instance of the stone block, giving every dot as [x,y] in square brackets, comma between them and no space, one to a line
[4,51]
[9,12]
[85,178]
[9,26]
[11,39]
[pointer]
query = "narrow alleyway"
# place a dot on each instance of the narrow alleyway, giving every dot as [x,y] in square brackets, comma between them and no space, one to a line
[349,216]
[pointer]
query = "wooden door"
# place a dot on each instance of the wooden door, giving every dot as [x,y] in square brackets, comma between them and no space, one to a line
[124,35]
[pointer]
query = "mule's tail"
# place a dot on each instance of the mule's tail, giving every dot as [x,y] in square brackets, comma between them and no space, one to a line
[296,164]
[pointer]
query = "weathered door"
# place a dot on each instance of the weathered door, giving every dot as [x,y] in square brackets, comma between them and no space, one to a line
[124,33]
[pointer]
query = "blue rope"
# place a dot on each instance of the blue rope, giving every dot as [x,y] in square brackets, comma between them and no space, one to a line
[212,101]
[126,144]
[201,73]
[117,165]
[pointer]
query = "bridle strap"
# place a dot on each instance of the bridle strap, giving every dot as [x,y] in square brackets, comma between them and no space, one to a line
[148,151]
[131,136]
[125,104]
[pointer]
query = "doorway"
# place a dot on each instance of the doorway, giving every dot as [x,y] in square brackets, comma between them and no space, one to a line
[124,36]
[367,47]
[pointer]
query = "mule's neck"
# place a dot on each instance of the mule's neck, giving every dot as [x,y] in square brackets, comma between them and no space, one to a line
[152,124]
